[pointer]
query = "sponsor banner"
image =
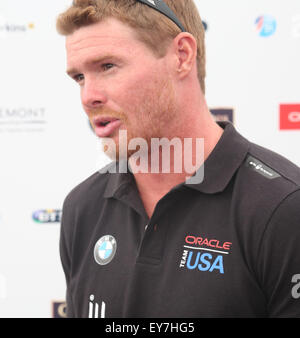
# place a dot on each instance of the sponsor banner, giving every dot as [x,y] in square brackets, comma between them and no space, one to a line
[266,25]
[59,309]
[223,114]
[19,119]
[289,116]
[47,216]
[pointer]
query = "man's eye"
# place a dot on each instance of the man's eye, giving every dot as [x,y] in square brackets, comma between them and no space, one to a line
[107,66]
[78,77]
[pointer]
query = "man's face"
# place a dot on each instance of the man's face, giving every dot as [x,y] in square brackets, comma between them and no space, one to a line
[120,78]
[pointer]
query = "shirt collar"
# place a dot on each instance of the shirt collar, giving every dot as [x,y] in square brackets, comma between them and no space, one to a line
[223,162]
[219,168]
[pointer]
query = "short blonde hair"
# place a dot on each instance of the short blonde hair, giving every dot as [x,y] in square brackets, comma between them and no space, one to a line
[152,28]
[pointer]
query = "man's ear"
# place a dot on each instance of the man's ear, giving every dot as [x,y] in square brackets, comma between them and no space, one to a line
[185,47]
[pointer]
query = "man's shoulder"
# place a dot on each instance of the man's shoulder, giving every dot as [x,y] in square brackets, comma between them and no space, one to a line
[273,166]
[89,189]
[264,181]
[265,184]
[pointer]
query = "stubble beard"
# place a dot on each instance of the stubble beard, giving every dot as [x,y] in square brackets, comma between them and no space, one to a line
[153,117]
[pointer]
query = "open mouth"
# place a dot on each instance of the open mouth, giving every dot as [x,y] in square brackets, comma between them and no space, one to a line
[103,122]
[106,126]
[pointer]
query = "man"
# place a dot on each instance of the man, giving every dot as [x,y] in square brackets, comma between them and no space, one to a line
[144,243]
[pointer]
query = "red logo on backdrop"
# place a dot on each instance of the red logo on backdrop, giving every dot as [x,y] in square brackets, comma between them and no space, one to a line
[289,116]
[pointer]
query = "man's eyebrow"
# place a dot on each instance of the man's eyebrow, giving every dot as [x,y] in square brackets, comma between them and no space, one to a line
[92,62]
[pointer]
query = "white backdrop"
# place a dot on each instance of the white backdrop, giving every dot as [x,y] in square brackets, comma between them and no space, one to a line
[47,146]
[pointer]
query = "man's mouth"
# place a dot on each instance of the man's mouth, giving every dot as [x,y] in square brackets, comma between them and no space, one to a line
[105,125]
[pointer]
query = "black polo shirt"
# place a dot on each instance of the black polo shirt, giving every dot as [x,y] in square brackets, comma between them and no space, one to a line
[227,247]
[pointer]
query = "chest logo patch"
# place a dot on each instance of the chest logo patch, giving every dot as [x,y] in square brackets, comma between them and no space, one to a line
[105,250]
[204,254]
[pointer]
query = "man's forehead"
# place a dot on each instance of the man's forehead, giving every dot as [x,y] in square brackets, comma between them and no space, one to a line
[109,30]
[98,42]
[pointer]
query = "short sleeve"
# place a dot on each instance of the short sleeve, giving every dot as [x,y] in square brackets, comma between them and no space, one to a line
[279,259]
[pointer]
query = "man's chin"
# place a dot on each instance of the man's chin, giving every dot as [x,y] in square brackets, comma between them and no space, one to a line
[115,152]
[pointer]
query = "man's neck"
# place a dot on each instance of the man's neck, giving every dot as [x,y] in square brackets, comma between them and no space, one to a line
[153,186]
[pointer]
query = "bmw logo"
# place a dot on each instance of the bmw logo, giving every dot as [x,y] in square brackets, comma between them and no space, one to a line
[105,250]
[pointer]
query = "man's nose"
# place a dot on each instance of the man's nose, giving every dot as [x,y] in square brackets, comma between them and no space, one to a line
[92,94]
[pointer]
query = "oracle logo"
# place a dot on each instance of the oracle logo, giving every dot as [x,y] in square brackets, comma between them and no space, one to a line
[203,241]
[294,116]
[289,117]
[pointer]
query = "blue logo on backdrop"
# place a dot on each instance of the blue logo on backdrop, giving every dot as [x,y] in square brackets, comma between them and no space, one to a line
[47,216]
[266,25]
